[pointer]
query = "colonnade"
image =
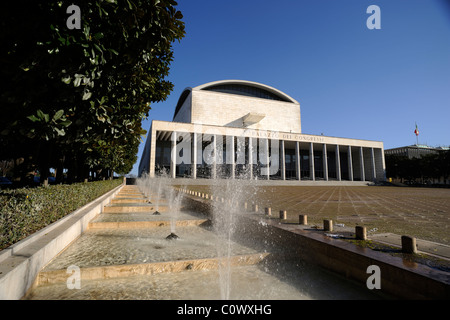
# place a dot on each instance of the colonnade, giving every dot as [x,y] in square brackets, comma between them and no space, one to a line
[265,158]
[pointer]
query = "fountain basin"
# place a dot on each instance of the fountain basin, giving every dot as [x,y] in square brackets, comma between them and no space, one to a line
[101,247]
[47,277]
[265,280]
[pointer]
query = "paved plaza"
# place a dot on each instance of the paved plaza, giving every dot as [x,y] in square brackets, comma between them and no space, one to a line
[423,213]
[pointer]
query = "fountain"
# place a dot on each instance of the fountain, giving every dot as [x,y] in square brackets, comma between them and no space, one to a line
[162,192]
[232,257]
[174,206]
[224,226]
[160,189]
[225,222]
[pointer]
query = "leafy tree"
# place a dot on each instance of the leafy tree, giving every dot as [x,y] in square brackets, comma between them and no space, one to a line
[75,98]
[430,166]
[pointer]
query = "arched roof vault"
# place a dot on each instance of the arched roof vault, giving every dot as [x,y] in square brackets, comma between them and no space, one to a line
[240,87]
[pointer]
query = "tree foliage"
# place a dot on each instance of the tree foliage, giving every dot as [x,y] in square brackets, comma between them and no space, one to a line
[428,167]
[75,98]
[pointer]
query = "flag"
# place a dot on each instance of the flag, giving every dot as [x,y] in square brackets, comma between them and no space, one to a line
[416,131]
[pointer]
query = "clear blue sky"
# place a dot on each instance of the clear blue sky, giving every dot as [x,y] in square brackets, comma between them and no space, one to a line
[350,81]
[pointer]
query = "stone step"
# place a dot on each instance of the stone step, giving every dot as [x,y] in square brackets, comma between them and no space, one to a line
[153,200]
[144,224]
[127,270]
[129,200]
[130,194]
[135,207]
[124,196]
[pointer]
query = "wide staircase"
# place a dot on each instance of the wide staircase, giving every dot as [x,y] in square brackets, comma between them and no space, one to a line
[137,248]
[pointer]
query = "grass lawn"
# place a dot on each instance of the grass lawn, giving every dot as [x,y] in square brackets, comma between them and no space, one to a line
[26,210]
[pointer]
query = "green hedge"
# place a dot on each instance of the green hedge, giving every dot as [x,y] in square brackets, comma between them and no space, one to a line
[27,210]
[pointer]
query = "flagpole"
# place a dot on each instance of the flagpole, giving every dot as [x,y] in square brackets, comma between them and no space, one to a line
[417,134]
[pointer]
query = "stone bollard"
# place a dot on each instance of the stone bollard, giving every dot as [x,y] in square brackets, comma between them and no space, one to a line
[245,206]
[283,214]
[268,211]
[303,219]
[360,233]
[328,225]
[409,244]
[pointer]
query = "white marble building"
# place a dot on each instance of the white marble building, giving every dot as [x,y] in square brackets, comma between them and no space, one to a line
[248,130]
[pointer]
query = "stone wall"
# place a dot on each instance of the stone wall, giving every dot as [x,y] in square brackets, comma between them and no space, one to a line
[221,109]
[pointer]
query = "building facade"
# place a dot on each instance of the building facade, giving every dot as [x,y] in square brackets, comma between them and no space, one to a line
[248,130]
[415,151]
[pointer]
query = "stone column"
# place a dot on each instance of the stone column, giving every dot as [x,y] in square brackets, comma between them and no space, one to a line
[338,163]
[325,162]
[173,155]
[240,150]
[297,160]
[312,175]
[350,164]
[361,159]
[250,157]
[214,164]
[374,171]
[283,160]
[230,155]
[266,143]
[194,156]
